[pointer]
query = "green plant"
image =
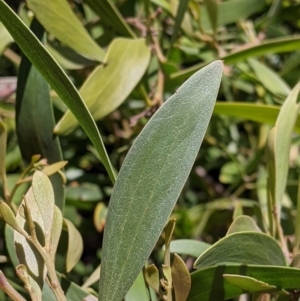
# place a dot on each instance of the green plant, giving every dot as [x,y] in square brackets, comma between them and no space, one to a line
[256,193]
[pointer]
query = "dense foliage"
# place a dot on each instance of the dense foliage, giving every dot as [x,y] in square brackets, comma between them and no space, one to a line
[83,86]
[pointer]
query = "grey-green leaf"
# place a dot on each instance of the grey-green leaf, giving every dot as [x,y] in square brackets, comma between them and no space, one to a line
[244,248]
[35,133]
[151,179]
[243,223]
[209,284]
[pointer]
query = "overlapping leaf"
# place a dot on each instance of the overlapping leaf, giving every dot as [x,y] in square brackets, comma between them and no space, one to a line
[151,179]
[110,84]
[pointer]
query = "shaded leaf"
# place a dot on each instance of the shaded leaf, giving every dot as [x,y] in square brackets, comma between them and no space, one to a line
[150,180]
[109,13]
[243,247]
[56,231]
[110,84]
[26,252]
[56,77]
[209,284]
[67,28]
[212,11]
[75,245]
[152,277]
[276,45]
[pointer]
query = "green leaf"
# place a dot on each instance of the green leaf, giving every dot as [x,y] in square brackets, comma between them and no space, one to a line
[152,277]
[5,38]
[241,224]
[9,217]
[276,45]
[26,252]
[188,247]
[35,133]
[72,291]
[56,77]
[233,11]
[242,247]
[75,245]
[151,180]
[66,28]
[181,279]
[110,84]
[181,9]
[138,290]
[3,142]
[209,284]
[269,79]
[110,15]
[248,283]
[56,231]
[278,149]
[212,11]
[44,198]
[255,112]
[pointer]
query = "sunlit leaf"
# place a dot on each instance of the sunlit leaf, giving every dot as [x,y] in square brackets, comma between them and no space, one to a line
[243,223]
[110,84]
[67,28]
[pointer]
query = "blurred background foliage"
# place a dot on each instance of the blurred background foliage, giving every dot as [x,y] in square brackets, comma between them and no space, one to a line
[259,42]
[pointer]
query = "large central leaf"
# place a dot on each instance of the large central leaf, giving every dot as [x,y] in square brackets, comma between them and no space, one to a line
[151,180]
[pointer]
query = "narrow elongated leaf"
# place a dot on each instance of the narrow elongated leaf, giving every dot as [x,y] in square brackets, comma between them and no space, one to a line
[110,15]
[110,84]
[251,111]
[276,45]
[212,11]
[35,119]
[248,283]
[242,247]
[151,179]
[269,79]
[3,142]
[56,77]
[66,28]
[181,9]
[278,148]
[209,284]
